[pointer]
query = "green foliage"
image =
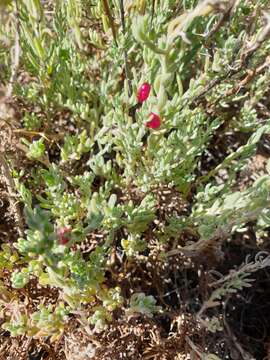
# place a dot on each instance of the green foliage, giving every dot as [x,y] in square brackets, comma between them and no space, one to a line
[99,319]
[8,257]
[36,150]
[142,304]
[32,122]
[75,146]
[47,321]
[20,279]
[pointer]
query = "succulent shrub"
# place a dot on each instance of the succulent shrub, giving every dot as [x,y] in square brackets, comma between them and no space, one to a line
[119,101]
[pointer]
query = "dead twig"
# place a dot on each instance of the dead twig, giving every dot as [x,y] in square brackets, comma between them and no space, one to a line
[15,54]
[195,250]
[250,75]
[243,353]
[225,15]
[234,68]
[111,21]
[123,25]
[12,194]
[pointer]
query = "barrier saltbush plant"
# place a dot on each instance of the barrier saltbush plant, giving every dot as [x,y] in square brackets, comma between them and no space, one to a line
[111,119]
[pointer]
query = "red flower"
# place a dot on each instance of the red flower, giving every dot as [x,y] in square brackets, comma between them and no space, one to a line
[143,92]
[63,235]
[154,122]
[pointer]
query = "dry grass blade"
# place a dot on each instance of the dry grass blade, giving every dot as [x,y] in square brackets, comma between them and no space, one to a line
[110,17]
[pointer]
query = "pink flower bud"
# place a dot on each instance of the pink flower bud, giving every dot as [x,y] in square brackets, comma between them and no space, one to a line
[63,235]
[143,92]
[154,122]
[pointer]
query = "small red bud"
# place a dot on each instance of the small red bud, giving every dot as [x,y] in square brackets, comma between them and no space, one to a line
[154,122]
[143,92]
[63,235]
